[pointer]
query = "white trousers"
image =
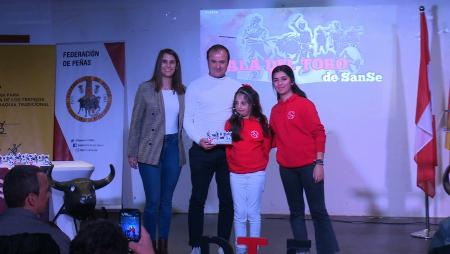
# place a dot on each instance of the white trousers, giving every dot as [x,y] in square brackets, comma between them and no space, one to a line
[247,191]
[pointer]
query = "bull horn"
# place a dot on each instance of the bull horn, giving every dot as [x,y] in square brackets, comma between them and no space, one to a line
[445,180]
[103,182]
[55,184]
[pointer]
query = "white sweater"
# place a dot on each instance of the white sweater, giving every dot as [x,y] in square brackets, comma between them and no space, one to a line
[208,103]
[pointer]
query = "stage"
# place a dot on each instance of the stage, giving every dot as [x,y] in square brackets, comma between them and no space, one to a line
[356,235]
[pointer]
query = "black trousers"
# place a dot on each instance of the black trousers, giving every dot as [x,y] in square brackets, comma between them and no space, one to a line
[295,182]
[204,164]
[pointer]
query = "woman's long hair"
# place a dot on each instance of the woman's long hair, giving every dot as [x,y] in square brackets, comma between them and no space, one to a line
[177,84]
[290,73]
[252,97]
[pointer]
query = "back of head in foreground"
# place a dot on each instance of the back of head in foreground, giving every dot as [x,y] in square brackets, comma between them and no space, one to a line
[99,237]
[105,237]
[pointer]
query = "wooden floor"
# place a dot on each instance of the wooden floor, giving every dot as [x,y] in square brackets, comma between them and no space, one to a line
[356,235]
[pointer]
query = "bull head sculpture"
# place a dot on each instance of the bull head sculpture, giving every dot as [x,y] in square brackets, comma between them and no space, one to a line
[79,193]
[445,180]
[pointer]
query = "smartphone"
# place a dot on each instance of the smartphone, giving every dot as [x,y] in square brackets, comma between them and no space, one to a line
[130,222]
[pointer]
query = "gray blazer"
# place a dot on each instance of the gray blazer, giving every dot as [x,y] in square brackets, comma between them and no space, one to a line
[147,127]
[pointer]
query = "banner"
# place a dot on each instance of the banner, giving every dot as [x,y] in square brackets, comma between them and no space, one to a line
[27,78]
[335,45]
[90,80]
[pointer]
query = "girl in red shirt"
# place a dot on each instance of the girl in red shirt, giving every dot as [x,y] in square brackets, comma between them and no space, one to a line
[299,137]
[247,159]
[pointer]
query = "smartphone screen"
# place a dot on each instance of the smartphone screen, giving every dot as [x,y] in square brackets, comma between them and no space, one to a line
[130,222]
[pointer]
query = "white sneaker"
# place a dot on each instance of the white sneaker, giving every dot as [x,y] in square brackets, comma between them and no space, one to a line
[196,250]
[220,251]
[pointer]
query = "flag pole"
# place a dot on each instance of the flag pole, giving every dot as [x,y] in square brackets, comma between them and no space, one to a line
[426,233]
[427,214]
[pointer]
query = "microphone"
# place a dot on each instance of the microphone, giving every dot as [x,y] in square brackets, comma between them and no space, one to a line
[236,113]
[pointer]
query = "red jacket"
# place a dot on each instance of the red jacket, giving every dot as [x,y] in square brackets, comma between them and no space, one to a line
[297,132]
[251,153]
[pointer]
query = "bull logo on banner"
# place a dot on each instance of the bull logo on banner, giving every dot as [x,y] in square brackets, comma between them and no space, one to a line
[88,99]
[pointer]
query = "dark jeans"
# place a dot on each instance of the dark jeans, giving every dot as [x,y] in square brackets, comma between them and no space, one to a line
[159,184]
[204,164]
[295,181]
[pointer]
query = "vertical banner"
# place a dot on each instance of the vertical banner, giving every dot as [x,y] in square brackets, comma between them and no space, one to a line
[27,81]
[90,80]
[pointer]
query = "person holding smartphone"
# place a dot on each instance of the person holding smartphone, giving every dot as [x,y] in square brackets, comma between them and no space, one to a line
[155,145]
[105,236]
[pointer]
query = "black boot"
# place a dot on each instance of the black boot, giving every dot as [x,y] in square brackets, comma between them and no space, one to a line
[154,247]
[298,246]
[163,246]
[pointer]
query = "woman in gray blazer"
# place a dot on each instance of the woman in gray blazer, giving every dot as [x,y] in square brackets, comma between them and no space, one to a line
[155,145]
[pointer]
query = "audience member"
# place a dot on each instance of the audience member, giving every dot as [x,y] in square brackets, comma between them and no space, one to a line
[26,191]
[105,237]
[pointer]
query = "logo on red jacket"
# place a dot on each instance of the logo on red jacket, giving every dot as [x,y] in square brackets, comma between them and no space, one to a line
[254,134]
[291,115]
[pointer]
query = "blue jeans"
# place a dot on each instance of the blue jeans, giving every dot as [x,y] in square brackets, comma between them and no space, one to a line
[159,184]
[295,181]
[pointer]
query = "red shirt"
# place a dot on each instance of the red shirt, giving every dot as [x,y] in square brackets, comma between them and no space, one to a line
[298,133]
[251,153]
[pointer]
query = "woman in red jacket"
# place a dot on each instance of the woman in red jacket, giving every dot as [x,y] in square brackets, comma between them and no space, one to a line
[300,140]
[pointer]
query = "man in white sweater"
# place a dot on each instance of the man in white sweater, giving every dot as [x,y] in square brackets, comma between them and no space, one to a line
[209,101]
